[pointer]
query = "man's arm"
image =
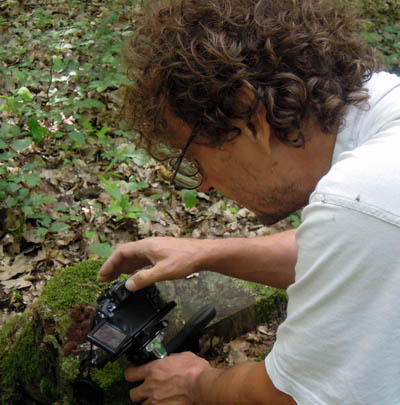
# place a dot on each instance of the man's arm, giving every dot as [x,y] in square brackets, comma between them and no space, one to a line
[185,379]
[245,384]
[268,260]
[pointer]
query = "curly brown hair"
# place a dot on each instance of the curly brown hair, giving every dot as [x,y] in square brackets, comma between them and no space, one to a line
[301,59]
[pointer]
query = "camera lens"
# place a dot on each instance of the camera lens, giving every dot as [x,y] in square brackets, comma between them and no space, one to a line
[87,392]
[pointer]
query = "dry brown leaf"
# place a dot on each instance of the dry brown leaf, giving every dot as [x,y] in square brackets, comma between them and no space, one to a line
[18,283]
[237,351]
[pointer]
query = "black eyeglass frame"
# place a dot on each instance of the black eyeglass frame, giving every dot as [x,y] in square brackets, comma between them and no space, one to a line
[181,157]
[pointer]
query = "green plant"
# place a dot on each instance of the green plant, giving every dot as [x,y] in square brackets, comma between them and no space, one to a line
[382,28]
[54,110]
[189,198]
[295,219]
[102,249]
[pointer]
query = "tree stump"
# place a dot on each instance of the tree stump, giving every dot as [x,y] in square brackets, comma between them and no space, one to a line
[41,350]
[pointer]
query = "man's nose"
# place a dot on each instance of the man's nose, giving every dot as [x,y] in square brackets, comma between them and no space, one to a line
[205,187]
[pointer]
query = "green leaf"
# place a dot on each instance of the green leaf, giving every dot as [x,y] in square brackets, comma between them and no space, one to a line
[102,132]
[40,199]
[38,132]
[9,131]
[62,208]
[189,198]
[114,191]
[295,219]
[28,211]
[147,216]
[89,103]
[3,145]
[58,64]
[20,144]
[140,156]
[6,156]
[114,210]
[13,187]
[41,231]
[32,179]
[133,186]
[103,250]
[134,208]
[78,138]
[23,193]
[11,202]
[25,94]
[90,235]
[59,227]
[46,221]
[132,215]
[29,167]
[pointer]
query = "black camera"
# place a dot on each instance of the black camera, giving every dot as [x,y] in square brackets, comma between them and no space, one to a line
[132,324]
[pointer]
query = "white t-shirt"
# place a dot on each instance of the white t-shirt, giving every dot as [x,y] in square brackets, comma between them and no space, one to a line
[340,343]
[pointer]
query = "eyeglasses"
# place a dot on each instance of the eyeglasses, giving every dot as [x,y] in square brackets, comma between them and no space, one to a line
[186,173]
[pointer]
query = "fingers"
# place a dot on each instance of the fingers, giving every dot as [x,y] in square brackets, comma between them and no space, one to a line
[126,258]
[137,375]
[144,278]
[109,270]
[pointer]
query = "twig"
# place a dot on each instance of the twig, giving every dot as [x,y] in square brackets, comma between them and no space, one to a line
[51,80]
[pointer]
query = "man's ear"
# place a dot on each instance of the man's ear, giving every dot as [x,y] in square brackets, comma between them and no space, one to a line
[257,127]
[260,129]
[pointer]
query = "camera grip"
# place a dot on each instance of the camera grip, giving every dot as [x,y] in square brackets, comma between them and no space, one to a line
[187,338]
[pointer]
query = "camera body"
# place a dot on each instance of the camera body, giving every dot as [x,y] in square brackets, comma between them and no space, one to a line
[130,323]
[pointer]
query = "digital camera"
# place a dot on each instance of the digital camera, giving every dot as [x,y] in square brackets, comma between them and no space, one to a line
[132,324]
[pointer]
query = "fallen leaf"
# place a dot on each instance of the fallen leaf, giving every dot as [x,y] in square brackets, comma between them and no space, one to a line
[237,352]
[18,283]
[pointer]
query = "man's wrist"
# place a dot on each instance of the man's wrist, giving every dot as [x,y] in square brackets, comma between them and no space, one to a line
[203,258]
[202,390]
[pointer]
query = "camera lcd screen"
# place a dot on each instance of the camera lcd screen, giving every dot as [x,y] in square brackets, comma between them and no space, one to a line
[109,336]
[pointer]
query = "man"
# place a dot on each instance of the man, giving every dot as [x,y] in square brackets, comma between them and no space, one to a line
[278,105]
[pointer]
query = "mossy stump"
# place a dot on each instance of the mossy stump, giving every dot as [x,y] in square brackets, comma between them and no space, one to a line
[38,356]
[41,349]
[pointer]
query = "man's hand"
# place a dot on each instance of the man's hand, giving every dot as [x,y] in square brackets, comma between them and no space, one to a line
[172,259]
[185,379]
[169,381]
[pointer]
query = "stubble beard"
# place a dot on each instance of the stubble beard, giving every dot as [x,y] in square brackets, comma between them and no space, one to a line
[280,204]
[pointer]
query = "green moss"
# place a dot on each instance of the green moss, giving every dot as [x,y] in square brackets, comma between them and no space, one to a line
[107,376]
[52,341]
[28,356]
[9,330]
[263,355]
[111,380]
[69,368]
[24,360]
[271,302]
[72,286]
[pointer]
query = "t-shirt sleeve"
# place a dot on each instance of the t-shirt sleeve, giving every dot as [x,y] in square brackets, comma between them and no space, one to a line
[343,318]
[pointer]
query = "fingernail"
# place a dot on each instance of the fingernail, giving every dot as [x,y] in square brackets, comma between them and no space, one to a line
[130,285]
